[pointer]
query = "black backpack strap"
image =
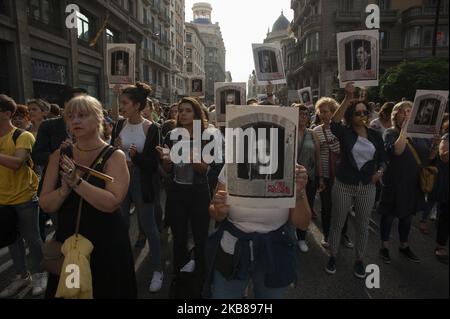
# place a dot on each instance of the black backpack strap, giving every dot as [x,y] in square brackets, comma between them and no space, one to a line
[16,135]
[116,130]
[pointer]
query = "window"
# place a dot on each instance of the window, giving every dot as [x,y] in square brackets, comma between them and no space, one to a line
[347,5]
[189,53]
[189,37]
[412,39]
[189,67]
[384,4]
[4,7]
[131,7]
[384,39]
[84,27]
[45,12]
[146,74]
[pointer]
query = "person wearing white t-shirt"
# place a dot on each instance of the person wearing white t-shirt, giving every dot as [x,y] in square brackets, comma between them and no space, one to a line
[255,244]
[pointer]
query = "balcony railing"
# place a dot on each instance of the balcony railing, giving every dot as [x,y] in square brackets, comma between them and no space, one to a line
[423,13]
[348,16]
[314,19]
[389,15]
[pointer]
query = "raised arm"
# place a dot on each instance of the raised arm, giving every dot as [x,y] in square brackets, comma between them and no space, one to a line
[115,104]
[349,96]
[301,214]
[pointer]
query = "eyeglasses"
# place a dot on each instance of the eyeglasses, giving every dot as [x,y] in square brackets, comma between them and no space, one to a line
[362,113]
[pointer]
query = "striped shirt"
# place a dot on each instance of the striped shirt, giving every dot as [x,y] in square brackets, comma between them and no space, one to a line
[326,143]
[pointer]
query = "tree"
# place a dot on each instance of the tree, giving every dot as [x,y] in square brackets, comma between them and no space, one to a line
[406,78]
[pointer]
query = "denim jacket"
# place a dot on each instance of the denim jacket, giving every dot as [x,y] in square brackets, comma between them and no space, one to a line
[275,250]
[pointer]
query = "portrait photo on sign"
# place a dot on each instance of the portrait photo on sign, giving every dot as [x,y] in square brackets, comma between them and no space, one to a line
[358,57]
[427,113]
[306,96]
[268,64]
[261,156]
[121,63]
[228,94]
[197,87]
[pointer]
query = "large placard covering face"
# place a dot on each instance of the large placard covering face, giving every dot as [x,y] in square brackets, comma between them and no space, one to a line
[427,113]
[262,151]
[358,57]
[228,94]
[121,63]
[268,64]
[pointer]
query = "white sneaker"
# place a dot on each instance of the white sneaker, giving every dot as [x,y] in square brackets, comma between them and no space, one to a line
[303,246]
[189,267]
[39,283]
[156,282]
[17,284]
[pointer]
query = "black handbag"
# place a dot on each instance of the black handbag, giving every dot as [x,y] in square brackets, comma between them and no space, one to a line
[9,226]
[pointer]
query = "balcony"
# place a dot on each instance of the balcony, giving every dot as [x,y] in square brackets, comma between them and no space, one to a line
[311,21]
[348,16]
[423,13]
[389,16]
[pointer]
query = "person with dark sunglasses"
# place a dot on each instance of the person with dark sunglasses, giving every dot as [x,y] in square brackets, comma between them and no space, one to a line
[362,165]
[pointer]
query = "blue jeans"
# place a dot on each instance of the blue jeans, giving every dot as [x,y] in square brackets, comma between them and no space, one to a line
[28,217]
[235,289]
[146,215]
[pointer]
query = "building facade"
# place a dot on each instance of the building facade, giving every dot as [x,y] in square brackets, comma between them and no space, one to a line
[177,57]
[41,56]
[214,48]
[406,32]
[156,47]
[194,52]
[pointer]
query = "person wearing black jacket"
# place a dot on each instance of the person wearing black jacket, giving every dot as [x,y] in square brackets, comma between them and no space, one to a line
[138,138]
[362,164]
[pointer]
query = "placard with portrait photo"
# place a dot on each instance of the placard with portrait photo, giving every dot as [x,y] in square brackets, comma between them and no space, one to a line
[228,94]
[197,86]
[121,63]
[427,113]
[261,166]
[358,57]
[268,64]
[306,96]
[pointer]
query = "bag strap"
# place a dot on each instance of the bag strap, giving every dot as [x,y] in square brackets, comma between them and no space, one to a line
[86,176]
[414,153]
[16,135]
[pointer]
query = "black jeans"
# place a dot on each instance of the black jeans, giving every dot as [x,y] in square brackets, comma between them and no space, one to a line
[326,203]
[311,191]
[404,227]
[188,204]
[442,225]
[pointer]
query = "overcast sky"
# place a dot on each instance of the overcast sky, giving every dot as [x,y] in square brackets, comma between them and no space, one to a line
[242,23]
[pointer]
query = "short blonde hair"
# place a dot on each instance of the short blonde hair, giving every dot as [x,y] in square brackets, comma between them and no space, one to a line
[397,108]
[334,105]
[85,104]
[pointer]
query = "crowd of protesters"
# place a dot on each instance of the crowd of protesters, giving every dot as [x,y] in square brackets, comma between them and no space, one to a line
[355,159]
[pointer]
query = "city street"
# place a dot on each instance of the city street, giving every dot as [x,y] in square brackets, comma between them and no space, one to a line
[399,280]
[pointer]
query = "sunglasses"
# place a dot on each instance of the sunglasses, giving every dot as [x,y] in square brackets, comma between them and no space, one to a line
[362,113]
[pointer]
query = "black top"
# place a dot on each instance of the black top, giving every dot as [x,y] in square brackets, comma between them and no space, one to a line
[111,260]
[51,134]
[347,170]
[401,194]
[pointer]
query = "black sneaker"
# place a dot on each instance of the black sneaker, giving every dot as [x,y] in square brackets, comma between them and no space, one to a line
[384,255]
[407,252]
[331,266]
[359,271]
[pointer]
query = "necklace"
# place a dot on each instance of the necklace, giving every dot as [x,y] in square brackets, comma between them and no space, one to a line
[90,150]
